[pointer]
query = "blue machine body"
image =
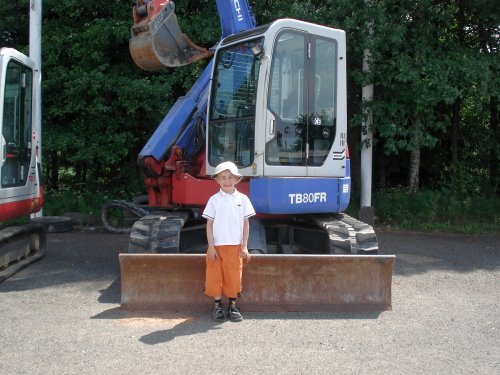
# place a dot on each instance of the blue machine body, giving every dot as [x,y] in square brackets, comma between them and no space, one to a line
[270,194]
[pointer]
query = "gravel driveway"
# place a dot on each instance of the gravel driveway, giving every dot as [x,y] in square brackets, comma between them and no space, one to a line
[62,316]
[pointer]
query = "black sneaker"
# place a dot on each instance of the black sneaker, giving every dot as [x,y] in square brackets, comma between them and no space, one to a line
[218,314]
[234,314]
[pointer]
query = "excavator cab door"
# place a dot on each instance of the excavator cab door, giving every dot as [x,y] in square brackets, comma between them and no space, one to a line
[303,126]
[17,148]
[233,112]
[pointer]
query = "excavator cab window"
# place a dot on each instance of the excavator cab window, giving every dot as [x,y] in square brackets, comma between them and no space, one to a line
[302,97]
[232,112]
[16,125]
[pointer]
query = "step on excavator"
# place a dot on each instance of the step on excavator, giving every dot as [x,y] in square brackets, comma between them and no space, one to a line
[21,193]
[273,101]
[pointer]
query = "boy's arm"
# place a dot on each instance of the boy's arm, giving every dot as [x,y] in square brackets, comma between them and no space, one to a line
[211,252]
[244,241]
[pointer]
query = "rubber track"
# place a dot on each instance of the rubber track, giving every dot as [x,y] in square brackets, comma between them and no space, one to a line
[18,248]
[348,235]
[157,233]
[161,233]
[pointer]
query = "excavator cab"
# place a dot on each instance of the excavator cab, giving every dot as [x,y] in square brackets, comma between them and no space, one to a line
[157,41]
[277,102]
[20,191]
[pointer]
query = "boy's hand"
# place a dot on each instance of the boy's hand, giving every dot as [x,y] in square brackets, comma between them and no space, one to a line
[212,253]
[245,254]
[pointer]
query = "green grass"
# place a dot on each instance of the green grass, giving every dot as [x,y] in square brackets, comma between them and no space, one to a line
[57,202]
[437,211]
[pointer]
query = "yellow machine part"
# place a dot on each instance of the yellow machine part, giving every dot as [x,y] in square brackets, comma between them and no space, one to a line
[175,282]
[158,43]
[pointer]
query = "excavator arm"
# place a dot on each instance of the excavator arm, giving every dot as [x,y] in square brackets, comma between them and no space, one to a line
[157,43]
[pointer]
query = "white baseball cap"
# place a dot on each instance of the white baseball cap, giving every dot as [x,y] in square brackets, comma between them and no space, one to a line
[227,165]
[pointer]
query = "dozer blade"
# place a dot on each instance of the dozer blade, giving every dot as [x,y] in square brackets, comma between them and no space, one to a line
[157,41]
[175,282]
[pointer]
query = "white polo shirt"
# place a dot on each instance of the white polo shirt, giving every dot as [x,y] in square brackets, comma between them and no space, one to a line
[228,212]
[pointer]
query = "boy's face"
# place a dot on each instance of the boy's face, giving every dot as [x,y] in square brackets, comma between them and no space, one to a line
[227,181]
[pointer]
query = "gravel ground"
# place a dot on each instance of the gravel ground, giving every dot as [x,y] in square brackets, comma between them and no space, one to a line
[62,315]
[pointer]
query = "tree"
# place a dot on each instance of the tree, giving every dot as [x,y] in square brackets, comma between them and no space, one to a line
[420,69]
[14,25]
[434,64]
[99,107]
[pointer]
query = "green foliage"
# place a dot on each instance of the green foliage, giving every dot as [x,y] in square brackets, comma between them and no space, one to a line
[14,25]
[458,178]
[408,48]
[66,199]
[57,202]
[97,104]
[428,58]
[437,211]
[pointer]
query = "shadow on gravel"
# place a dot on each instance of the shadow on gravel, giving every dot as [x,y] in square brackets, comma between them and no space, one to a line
[419,253]
[180,324]
[186,324]
[112,293]
[188,327]
[196,324]
[119,313]
[72,258]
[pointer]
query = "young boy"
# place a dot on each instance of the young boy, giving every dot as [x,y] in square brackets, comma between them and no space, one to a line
[227,214]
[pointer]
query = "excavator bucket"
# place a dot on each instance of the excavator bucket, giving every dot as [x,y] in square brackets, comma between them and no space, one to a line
[157,41]
[175,282]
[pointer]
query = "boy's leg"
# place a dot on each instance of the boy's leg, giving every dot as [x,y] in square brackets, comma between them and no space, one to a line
[213,287]
[234,312]
[213,277]
[218,312]
[232,268]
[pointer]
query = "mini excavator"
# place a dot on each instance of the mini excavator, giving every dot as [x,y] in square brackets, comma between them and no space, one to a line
[273,100]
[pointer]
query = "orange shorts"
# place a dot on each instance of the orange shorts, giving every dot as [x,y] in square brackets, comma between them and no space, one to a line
[223,276]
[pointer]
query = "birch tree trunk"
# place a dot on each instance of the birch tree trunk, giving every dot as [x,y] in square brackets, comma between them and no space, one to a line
[414,170]
[414,166]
